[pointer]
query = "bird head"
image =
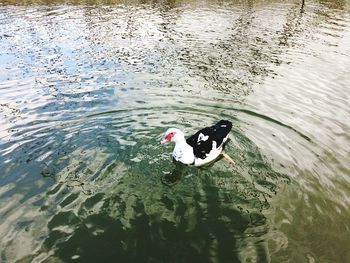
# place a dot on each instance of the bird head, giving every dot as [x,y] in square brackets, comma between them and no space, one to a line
[173,135]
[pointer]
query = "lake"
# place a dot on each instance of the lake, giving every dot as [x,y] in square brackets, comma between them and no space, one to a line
[88,88]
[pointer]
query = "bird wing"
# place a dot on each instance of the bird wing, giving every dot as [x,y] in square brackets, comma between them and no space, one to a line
[202,141]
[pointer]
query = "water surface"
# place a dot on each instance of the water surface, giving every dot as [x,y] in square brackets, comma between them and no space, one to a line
[87,89]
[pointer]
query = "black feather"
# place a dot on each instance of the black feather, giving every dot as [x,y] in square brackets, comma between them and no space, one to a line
[216,133]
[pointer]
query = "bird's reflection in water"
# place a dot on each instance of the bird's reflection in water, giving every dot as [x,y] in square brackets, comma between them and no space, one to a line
[173,177]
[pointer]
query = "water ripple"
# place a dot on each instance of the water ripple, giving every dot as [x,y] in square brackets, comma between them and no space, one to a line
[88,89]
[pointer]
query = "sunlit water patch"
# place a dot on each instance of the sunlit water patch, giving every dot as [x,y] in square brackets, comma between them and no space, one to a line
[87,91]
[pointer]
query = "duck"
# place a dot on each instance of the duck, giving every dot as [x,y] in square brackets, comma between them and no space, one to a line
[203,147]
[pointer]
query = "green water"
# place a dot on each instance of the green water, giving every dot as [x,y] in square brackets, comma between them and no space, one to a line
[88,88]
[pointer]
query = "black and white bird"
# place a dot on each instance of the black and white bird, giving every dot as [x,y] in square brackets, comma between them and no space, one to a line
[203,147]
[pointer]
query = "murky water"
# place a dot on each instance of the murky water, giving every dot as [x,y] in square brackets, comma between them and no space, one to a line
[88,88]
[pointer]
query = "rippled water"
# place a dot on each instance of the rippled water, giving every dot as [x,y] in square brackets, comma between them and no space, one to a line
[87,89]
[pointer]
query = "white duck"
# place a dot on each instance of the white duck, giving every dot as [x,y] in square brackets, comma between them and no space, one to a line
[201,148]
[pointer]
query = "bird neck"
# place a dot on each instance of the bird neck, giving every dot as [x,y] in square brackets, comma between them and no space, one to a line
[183,152]
[179,139]
[182,145]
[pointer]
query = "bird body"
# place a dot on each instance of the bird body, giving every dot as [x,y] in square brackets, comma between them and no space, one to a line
[201,148]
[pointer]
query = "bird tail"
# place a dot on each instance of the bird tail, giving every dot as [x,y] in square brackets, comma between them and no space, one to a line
[225,123]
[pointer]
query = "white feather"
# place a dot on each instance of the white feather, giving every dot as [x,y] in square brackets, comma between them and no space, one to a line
[211,156]
[202,137]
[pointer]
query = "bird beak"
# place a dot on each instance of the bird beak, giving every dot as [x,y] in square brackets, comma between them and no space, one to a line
[163,141]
